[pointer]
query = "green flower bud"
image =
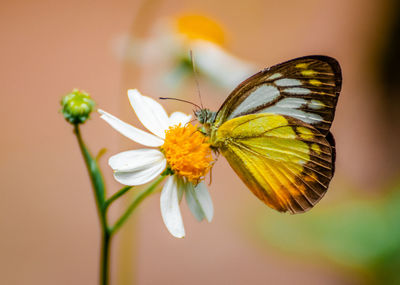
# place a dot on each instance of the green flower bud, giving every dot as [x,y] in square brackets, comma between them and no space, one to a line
[77,106]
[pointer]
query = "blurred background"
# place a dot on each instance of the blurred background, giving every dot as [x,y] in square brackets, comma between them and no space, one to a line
[49,230]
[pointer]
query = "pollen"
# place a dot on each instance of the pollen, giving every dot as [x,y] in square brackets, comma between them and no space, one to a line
[188,152]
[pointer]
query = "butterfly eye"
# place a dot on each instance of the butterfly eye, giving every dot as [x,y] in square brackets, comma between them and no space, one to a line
[199,115]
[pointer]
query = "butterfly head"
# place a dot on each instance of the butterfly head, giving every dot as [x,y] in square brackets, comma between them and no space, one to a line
[205,116]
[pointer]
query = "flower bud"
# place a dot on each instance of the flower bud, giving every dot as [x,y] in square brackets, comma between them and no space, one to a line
[77,106]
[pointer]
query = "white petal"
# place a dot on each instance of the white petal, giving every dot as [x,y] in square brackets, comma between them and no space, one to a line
[131,132]
[204,198]
[140,176]
[135,160]
[193,203]
[170,211]
[179,117]
[150,113]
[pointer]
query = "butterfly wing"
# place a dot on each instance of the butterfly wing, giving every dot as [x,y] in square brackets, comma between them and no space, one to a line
[305,88]
[285,162]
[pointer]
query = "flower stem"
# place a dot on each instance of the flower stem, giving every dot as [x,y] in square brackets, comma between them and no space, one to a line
[100,194]
[95,176]
[118,194]
[103,204]
[105,257]
[138,199]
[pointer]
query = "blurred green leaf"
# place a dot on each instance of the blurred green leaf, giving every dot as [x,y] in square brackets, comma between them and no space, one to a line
[361,235]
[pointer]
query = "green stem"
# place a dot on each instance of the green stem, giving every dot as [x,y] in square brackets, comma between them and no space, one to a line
[95,177]
[102,205]
[105,257]
[99,193]
[118,194]
[138,199]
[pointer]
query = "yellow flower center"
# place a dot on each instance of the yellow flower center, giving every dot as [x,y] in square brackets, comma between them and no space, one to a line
[188,152]
[199,27]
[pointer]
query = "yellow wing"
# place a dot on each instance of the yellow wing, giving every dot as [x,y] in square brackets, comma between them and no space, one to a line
[286,163]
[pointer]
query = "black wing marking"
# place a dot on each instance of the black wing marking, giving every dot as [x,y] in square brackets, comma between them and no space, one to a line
[305,88]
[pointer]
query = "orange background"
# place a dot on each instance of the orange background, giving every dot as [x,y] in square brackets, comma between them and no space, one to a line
[49,229]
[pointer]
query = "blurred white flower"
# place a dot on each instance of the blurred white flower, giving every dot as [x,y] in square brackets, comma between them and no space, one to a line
[177,149]
[167,49]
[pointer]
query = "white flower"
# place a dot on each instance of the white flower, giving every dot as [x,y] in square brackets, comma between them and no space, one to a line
[221,65]
[171,64]
[170,137]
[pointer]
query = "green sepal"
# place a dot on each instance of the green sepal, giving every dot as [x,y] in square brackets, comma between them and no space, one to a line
[168,171]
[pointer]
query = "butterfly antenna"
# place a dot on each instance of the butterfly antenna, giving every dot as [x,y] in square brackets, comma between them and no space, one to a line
[181,100]
[195,78]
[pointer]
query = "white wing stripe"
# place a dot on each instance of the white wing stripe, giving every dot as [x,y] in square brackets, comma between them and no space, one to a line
[297,90]
[274,76]
[286,82]
[309,118]
[262,95]
[316,104]
[293,103]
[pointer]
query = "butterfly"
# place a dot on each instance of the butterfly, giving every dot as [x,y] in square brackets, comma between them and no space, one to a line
[274,131]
